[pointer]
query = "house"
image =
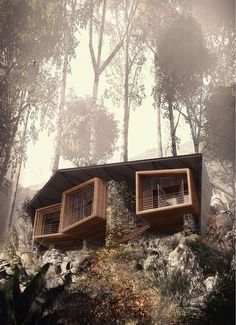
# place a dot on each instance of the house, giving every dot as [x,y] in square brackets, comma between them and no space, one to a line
[88,203]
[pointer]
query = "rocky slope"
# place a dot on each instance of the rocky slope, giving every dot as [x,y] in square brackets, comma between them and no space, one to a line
[150,280]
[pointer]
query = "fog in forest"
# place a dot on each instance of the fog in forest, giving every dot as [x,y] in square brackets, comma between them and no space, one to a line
[86,82]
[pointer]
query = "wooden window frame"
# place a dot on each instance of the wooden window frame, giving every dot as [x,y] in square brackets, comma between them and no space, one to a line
[38,220]
[192,205]
[99,201]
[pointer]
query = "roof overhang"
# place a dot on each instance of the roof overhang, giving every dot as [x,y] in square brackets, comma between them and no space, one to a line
[64,179]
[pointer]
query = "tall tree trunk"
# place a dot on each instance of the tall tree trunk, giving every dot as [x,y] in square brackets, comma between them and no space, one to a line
[196,146]
[5,165]
[8,147]
[99,67]
[93,122]
[159,144]
[18,172]
[172,127]
[96,67]
[195,135]
[61,105]
[158,107]
[57,152]
[126,95]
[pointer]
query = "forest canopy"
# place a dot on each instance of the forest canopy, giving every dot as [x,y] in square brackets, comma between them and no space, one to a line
[176,56]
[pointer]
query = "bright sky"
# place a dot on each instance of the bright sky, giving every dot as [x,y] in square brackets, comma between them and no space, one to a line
[142,132]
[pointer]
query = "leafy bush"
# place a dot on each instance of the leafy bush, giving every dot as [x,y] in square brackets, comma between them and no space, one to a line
[210,259]
[28,307]
[218,307]
[172,285]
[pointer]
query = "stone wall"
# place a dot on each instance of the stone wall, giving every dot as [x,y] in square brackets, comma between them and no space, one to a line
[192,225]
[121,218]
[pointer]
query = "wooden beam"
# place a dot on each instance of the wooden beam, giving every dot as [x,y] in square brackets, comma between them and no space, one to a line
[68,178]
[118,175]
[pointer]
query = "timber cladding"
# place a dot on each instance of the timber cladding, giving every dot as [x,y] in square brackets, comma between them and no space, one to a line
[164,196]
[83,201]
[81,215]
[47,220]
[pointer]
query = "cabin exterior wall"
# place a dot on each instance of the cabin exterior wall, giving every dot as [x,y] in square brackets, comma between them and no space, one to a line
[206,194]
[116,213]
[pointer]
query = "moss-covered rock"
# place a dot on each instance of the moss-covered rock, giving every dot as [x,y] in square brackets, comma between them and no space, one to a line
[121,218]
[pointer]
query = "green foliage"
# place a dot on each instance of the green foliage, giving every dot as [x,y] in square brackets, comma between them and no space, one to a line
[172,285]
[11,248]
[210,259]
[219,142]
[219,305]
[77,124]
[29,32]
[183,59]
[182,51]
[28,306]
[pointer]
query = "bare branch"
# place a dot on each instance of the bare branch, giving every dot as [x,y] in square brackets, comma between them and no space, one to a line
[132,61]
[177,122]
[118,46]
[91,49]
[181,112]
[101,33]
[117,25]
[149,46]
[73,122]
[111,56]
[134,79]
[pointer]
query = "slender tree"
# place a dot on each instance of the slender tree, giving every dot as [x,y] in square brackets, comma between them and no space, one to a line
[153,24]
[24,48]
[184,61]
[71,18]
[100,65]
[219,140]
[126,88]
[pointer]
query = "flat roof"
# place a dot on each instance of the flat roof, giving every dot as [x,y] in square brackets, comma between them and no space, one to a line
[64,179]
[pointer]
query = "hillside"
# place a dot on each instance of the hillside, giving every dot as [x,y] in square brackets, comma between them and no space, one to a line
[178,279]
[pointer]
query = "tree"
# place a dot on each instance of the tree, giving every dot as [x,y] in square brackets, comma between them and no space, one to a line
[183,60]
[76,139]
[157,16]
[71,21]
[218,23]
[126,87]
[24,82]
[100,65]
[219,140]
[192,107]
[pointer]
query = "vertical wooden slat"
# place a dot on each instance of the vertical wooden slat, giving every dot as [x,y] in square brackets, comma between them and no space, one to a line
[95,198]
[194,196]
[35,223]
[137,192]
